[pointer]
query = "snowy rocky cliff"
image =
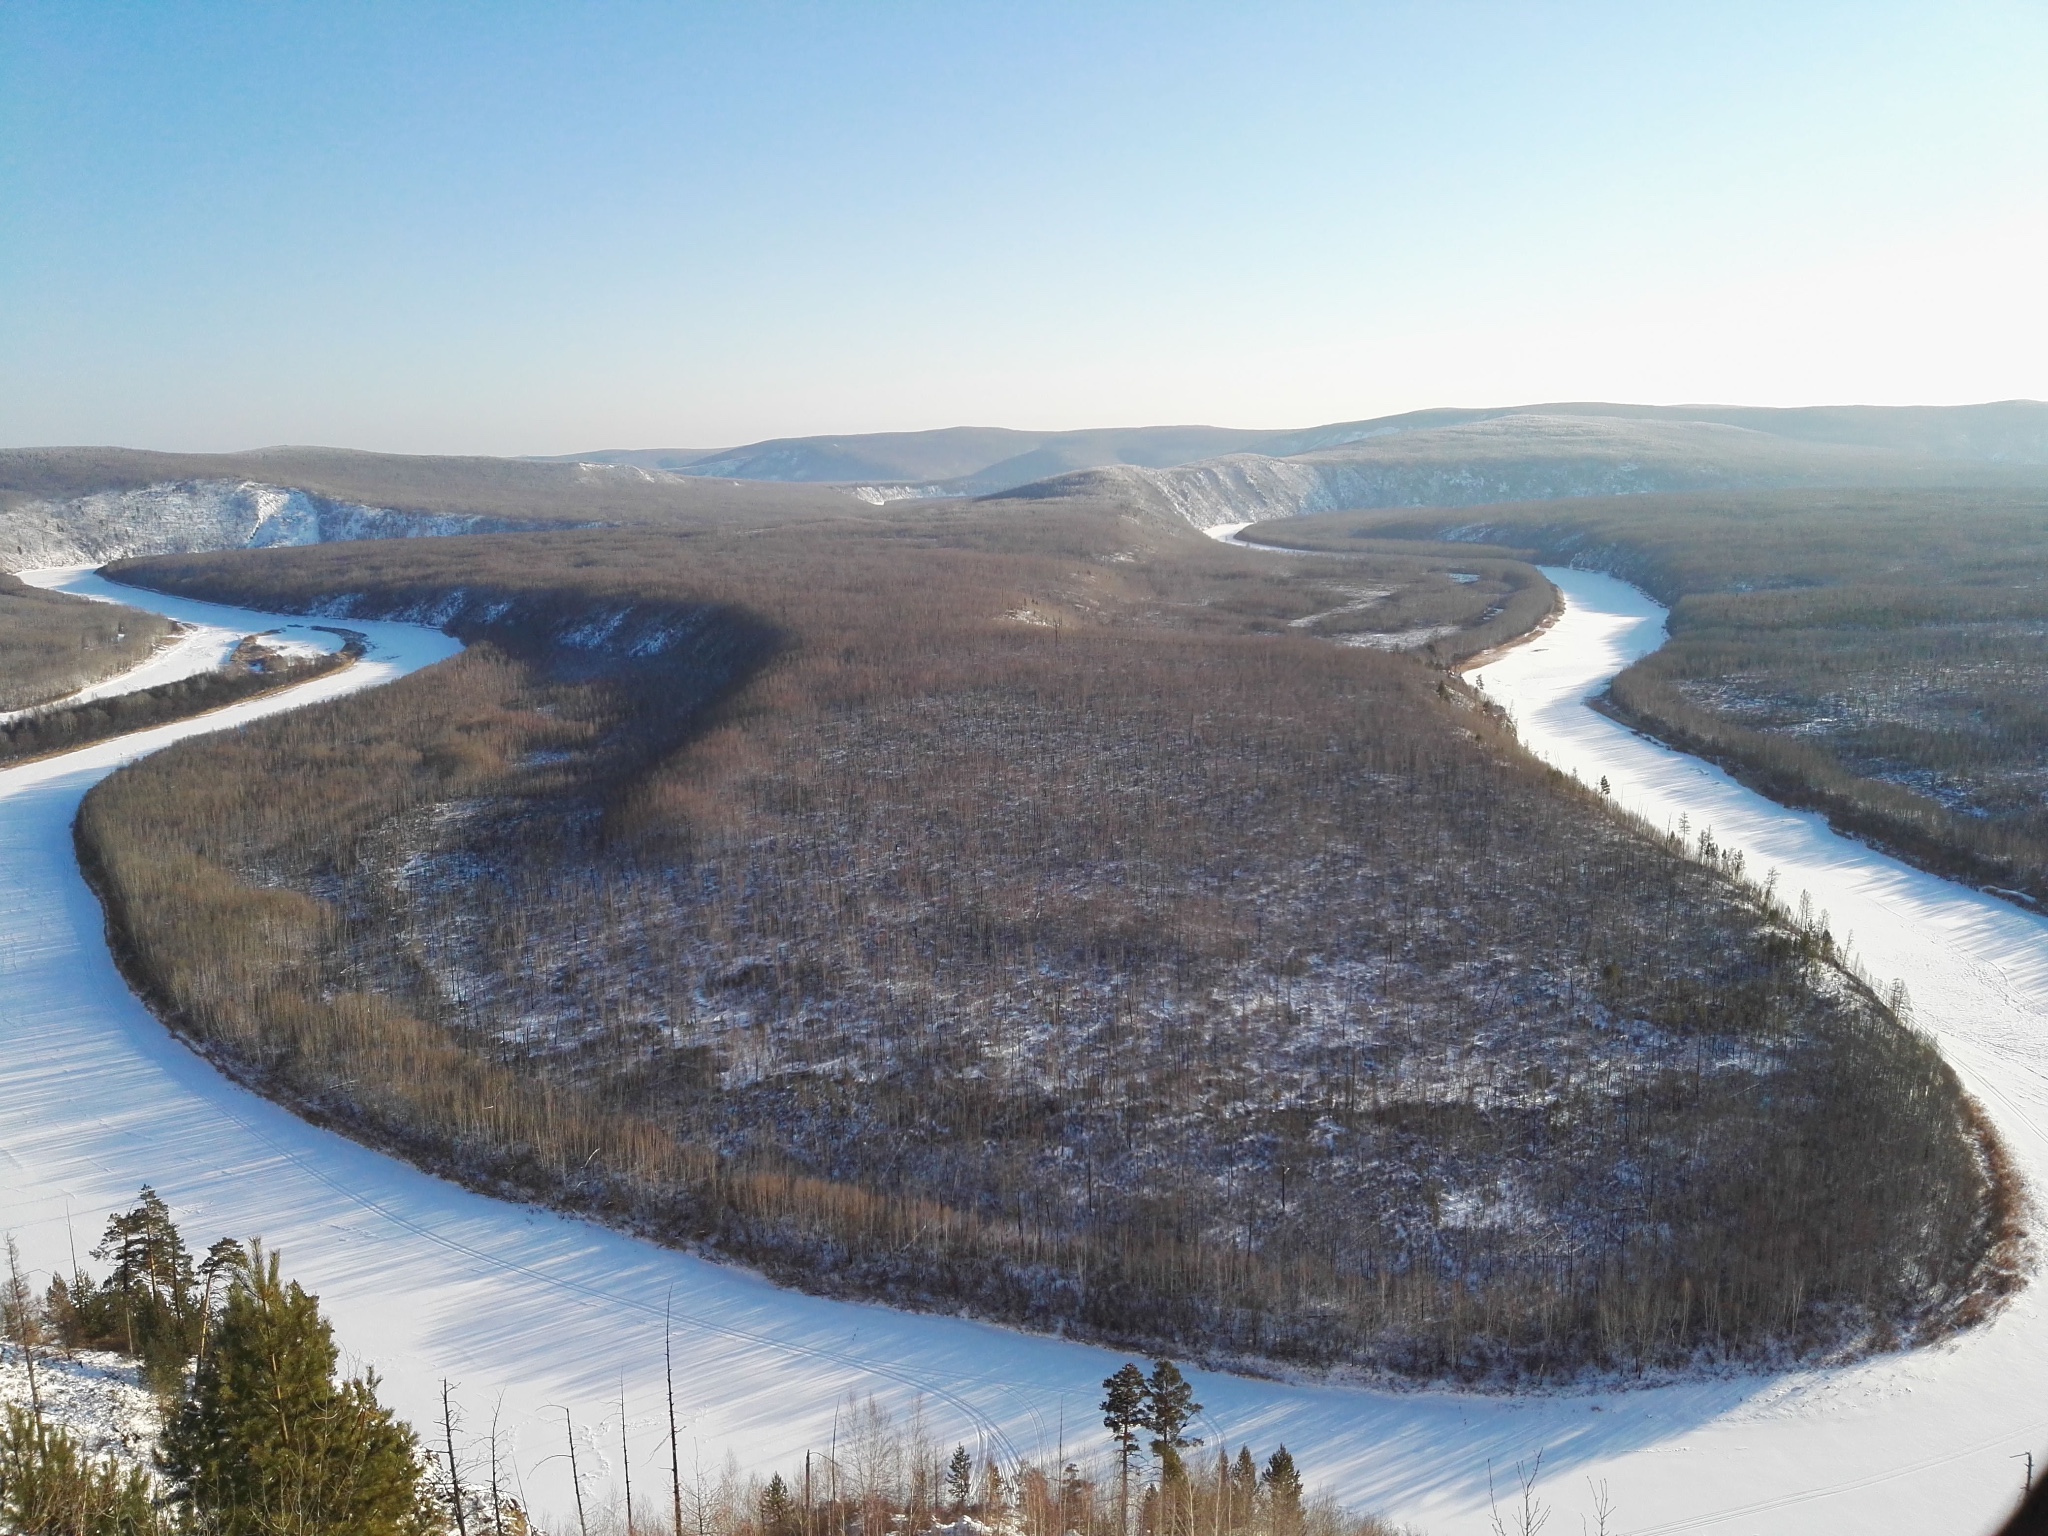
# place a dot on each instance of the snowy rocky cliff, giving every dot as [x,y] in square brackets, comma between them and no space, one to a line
[1517,458]
[179,517]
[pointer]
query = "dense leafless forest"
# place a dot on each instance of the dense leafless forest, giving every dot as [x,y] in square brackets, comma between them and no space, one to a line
[1036,916]
[53,644]
[1879,655]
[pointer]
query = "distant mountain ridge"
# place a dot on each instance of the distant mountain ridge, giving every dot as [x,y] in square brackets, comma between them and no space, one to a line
[79,506]
[981,461]
[1510,458]
[965,461]
[71,505]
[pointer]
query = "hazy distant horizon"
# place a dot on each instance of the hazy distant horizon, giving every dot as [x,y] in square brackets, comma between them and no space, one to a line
[1032,430]
[532,232]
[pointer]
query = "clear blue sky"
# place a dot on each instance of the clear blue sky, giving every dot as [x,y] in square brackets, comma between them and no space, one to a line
[528,229]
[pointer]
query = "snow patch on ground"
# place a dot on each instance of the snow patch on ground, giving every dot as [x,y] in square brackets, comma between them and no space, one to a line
[595,632]
[882,495]
[1400,639]
[95,1397]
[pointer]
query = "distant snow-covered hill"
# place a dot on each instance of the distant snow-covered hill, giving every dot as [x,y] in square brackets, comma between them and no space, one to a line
[178,517]
[1509,457]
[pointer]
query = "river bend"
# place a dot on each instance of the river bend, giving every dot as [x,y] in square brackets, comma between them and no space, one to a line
[529,1312]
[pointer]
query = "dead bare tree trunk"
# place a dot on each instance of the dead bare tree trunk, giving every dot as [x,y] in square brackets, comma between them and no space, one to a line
[668,1365]
[454,1470]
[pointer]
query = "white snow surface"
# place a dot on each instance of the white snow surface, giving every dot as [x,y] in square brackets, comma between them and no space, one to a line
[96,1398]
[425,1280]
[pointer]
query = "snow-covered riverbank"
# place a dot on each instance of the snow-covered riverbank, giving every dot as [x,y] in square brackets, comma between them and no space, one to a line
[194,649]
[426,1281]
[1915,1443]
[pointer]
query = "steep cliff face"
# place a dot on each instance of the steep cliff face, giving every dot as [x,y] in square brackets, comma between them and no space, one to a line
[180,517]
[1511,458]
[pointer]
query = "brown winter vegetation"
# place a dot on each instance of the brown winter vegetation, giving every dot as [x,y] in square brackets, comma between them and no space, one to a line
[890,1474]
[52,644]
[1881,656]
[252,669]
[1032,912]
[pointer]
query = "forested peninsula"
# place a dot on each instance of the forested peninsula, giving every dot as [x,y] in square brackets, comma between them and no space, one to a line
[1054,917]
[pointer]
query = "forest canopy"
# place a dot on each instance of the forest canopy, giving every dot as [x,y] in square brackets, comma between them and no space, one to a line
[1881,656]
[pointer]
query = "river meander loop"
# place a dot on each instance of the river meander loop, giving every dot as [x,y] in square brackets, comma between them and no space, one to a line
[527,1312]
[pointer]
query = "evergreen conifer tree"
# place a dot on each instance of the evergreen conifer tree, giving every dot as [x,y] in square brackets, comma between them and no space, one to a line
[150,1291]
[1283,1492]
[48,1485]
[995,1493]
[1123,1415]
[224,1260]
[1170,1407]
[1244,1489]
[778,1510]
[960,1480]
[268,1442]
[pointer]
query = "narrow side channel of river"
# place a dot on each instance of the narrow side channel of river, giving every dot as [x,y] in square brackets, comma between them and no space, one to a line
[530,1313]
[1915,1443]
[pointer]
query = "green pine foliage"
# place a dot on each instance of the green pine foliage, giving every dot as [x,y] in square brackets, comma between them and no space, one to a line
[778,1509]
[1243,1489]
[1170,1407]
[155,1301]
[960,1480]
[49,1487]
[1283,1492]
[269,1441]
[150,1293]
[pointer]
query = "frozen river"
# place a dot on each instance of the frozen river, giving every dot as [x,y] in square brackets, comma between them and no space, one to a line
[529,1313]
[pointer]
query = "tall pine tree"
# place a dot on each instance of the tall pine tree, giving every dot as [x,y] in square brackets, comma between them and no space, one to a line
[1123,1415]
[1283,1493]
[1244,1490]
[1170,1407]
[149,1291]
[269,1442]
[960,1480]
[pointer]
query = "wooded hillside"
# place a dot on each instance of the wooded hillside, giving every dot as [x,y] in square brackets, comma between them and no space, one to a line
[1881,656]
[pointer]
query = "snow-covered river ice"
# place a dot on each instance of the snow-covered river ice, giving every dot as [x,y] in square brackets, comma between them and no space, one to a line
[530,1313]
